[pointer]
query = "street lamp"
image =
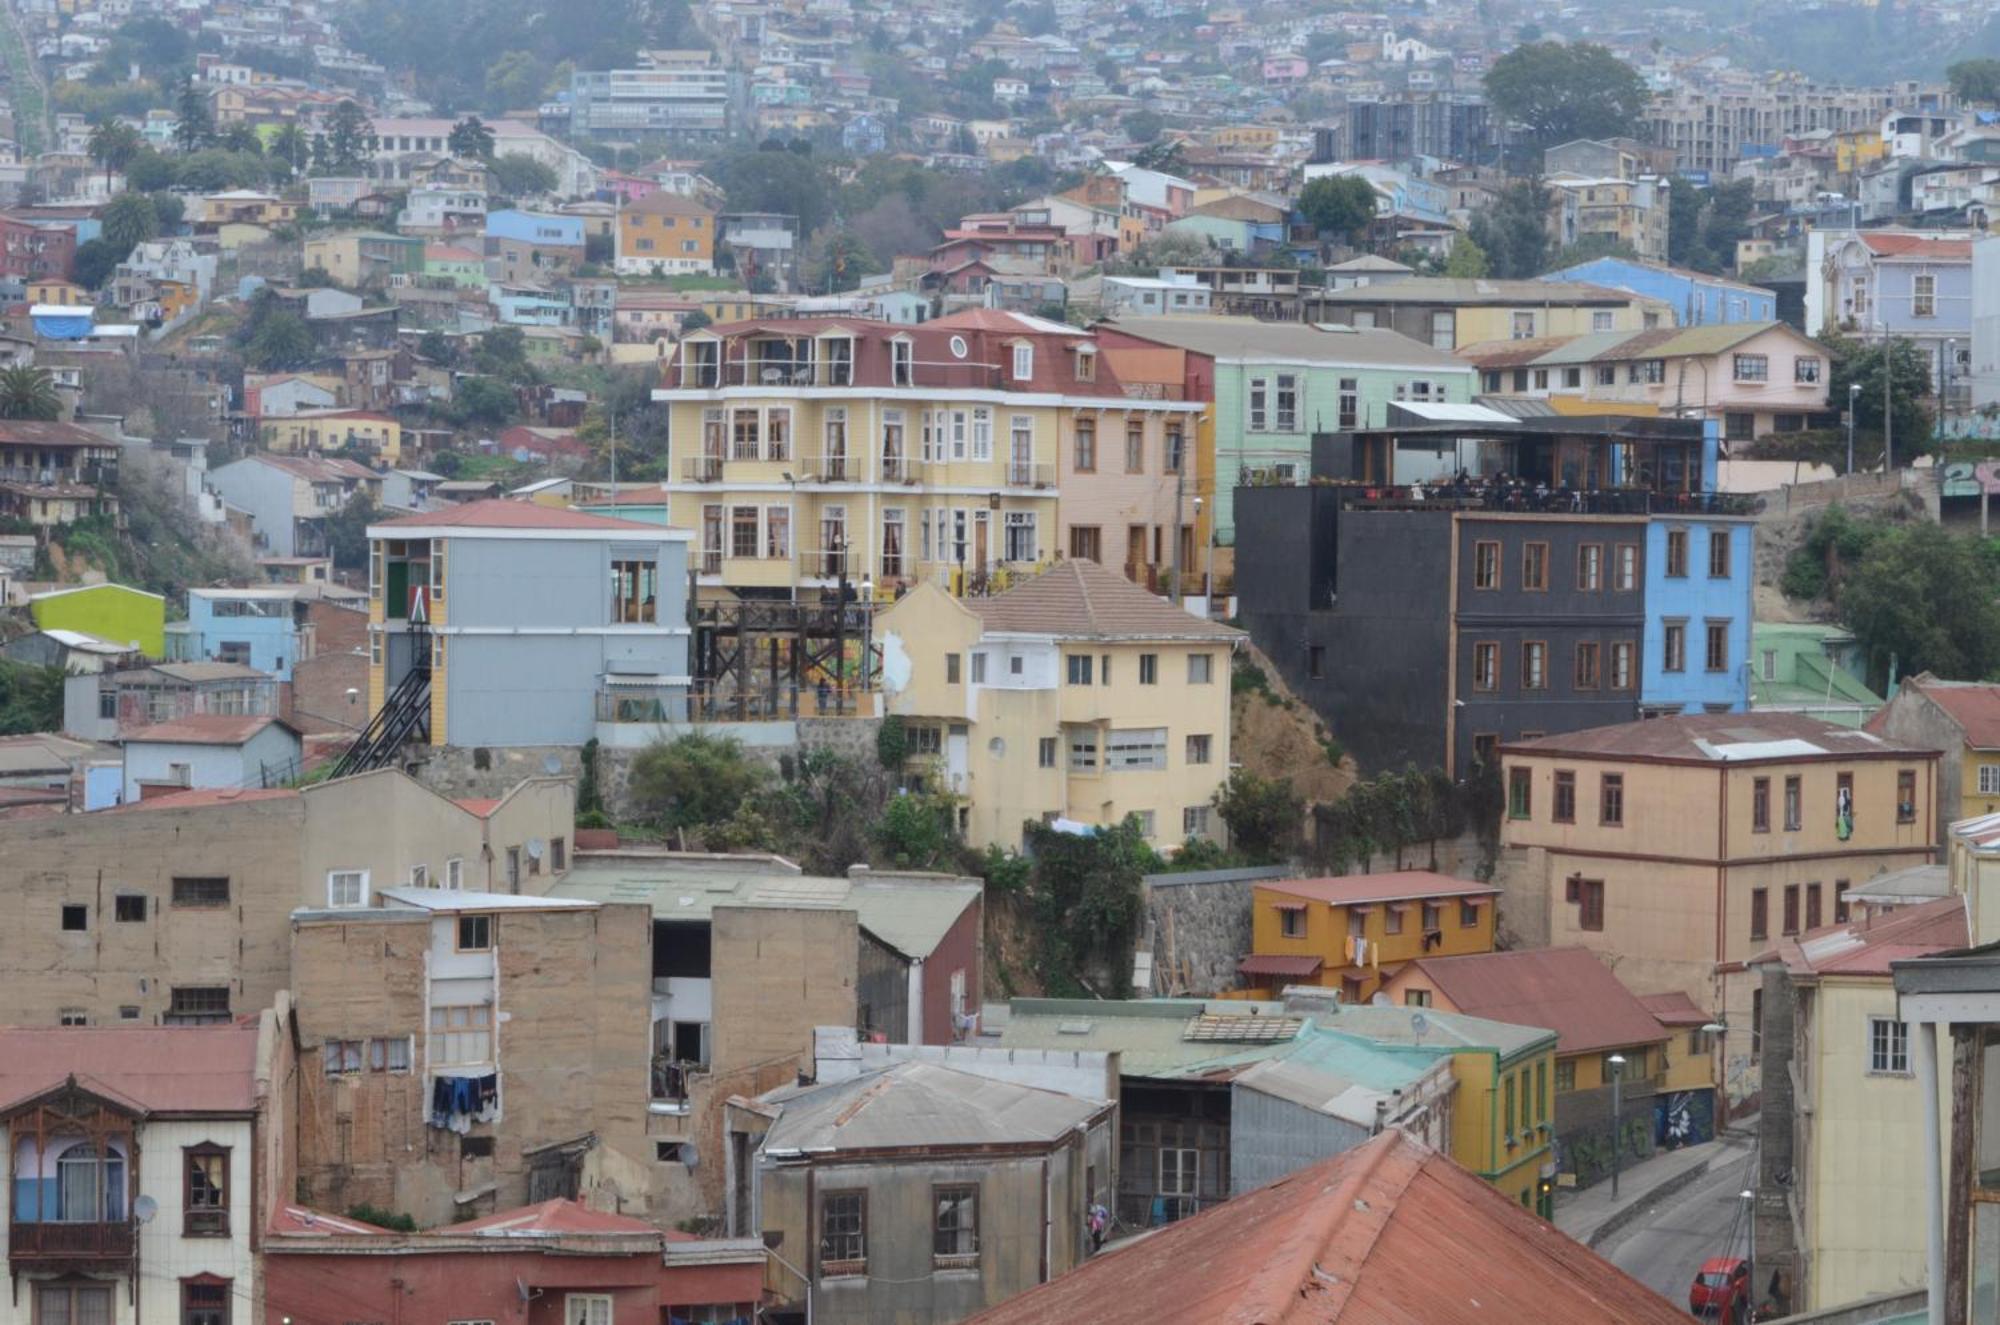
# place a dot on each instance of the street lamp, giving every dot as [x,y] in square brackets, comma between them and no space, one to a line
[1208,566]
[1749,1199]
[1853,403]
[1617,1062]
[1944,378]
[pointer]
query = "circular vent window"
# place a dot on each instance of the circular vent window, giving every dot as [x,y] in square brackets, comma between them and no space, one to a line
[958,350]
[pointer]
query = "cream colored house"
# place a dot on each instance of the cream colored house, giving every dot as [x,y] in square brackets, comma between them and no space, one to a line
[1841,1189]
[1684,846]
[1075,695]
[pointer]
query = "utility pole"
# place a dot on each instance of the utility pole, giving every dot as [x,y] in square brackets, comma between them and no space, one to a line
[1853,404]
[611,409]
[1180,485]
[1888,404]
[1617,1118]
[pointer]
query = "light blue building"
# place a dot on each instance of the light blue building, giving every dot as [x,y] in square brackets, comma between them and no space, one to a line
[1699,575]
[539,228]
[255,627]
[1698,300]
[1912,284]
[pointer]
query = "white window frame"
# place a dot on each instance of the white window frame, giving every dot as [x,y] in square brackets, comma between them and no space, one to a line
[1888,1047]
[1989,779]
[1285,417]
[1081,746]
[454,874]
[1024,363]
[420,876]
[1018,534]
[982,433]
[1256,397]
[588,1309]
[333,901]
[1136,750]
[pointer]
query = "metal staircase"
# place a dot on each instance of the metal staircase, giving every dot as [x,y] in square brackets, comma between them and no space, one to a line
[404,716]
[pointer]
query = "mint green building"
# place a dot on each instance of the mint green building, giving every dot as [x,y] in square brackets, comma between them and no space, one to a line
[1809,668]
[463,267]
[1275,384]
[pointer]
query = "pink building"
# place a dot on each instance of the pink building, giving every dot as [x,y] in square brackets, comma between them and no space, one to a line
[1753,378]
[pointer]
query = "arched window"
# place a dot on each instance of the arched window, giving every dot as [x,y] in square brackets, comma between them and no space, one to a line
[90,1190]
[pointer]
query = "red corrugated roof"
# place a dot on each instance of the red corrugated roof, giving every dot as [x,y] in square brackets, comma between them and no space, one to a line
[1897,243]
[1974,706]
[557,1216]
[201,798]
[1389,1233]
[1566,990]
[500,513]
[1867,946]
[1674,1009]
[1706,738]
[162,1069]
[479,805]
[205,729]
[1394,886]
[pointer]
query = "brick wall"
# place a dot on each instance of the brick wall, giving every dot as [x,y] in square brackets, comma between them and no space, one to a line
[339,663]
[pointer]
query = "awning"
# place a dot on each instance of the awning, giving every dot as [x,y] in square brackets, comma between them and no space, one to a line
[1402,906]
[1474,901]
[643,679]
[1273,964]
[1288,906]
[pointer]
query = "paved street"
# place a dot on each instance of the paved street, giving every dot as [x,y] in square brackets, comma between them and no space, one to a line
[1663,1247]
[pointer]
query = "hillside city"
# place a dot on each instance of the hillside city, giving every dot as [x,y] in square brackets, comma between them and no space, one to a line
[680,662]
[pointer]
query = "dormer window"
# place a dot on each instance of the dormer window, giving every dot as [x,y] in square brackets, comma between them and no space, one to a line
[702,366]
[837,365]
[1024,362]
[902,363]
[1086,363]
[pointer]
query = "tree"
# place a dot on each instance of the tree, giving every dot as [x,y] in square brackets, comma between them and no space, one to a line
[1975,80]
[168,210]
[1466,261]
[1088,898]
[695,321]
[94,263]
[1910,380]
[693,781]
[197,118]
[113,144]
[150,171]
[291,146]
[1339,206]
[1162,155]
[129,221]
[347,532]
[519,176]
[281,341]
[503,352]
[471,139]
[1143,126]
[1513,232]
[29,393]
[349,137]
[1263,815]
[1912,599]
[514,80]
[915,833]
[1559,92]
[777,181]
[843,261]
[438,348]
[31,698]
[481,402]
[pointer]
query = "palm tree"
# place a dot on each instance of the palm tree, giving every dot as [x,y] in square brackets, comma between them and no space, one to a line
[28,393]
[471,140]
[291,146]
[113,144]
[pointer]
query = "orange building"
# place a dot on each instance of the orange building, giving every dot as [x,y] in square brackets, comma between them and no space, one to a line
[1354,933]
[664,234]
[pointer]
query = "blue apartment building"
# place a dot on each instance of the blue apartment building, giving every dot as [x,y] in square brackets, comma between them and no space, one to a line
[1698,579]
[254,627]
[1698,299]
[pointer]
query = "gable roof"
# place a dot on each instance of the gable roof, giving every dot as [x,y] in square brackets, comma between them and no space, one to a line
[1394,886]
[36,432]
[1386,1233]
[1866,947]
[1908,244]
[1248,339]
[206,729]
[1723,738]
[1469,291]
[159,1069]
[1973,705]
[1079,599]
[555,1216]
[912,1104]
[1567,990]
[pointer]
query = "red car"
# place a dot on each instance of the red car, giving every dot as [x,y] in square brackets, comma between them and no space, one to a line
[1721,1289]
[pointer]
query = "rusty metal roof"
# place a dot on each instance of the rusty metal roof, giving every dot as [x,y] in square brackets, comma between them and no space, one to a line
[1389,1233]
[1271,964]
[1568,990]
[157,1069]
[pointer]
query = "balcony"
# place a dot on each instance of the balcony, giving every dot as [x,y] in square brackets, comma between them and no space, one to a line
[1520,499]
[702,469]
[898,469]
[1030,474]
[830,467]
[71,1242]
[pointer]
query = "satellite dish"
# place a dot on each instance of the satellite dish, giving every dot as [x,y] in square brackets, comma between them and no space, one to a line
[689,1156]
[536,847]
[551,765]
[1378,1000]
[144,1208]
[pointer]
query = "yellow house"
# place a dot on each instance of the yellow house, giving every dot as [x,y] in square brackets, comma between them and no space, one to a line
[333,430]
[1502,1111]
[664,234]
[826,449]
[1856,149]
[1596,1020]
[1448,312]
[1686,845]
[1843,1113]
[1354,932]
[1075,695]
[53,291]
[1961,721]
